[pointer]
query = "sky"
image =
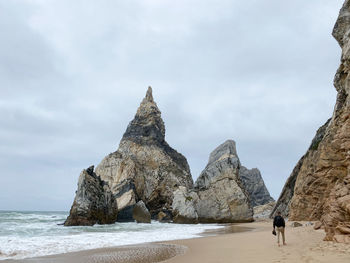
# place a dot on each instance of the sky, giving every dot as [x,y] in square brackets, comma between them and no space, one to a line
[72,74]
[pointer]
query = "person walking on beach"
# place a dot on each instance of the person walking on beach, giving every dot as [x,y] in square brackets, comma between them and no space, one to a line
[278,222]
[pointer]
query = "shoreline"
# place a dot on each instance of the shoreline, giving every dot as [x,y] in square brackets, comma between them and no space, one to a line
[254,243]
[150,252]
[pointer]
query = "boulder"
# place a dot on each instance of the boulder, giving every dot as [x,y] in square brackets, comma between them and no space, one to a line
[93,203]
[140,213]
[145,167]
[221,194]
[255,186]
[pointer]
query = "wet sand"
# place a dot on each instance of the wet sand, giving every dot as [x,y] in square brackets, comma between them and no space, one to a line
[145,253]
[250,242]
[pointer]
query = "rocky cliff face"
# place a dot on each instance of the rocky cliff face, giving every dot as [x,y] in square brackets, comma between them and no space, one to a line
[322,186]
[93,203]
[218,196]
[221,194]
[145,167]
[284,201]
[263,211]
[255,186]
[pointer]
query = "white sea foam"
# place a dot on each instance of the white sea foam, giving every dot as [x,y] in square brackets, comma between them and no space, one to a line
[30,234]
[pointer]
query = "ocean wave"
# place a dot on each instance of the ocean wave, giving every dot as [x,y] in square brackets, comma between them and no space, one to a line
[37,234]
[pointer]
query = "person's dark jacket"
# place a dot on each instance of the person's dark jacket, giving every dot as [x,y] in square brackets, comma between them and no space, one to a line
[278,221]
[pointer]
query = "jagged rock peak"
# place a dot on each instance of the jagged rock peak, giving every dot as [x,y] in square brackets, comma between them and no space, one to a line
[222,158]
[145,167]
[221,195]
[254,184]
[148,104]
[225,150]
[149,96]
[147,125]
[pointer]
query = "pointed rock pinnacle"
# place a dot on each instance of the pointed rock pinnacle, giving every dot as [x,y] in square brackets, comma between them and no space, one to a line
[149,96]
[147,125]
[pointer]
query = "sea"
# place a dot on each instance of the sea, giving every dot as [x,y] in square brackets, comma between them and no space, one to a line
[25,234]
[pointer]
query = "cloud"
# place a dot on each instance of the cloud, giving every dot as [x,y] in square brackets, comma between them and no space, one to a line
[72,74]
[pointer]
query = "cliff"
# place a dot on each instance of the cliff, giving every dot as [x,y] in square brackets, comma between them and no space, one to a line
[322,184]
[285,198]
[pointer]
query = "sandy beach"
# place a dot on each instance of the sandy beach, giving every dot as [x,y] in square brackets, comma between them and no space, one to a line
[255,244]
[304,244]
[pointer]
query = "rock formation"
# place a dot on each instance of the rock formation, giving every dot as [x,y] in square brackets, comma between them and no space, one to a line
[140,213]
[93,203]
[263,211]
[283,202]
[146,176]
[184,206]
[218,196]
[145,167]
[322,184]
[222,197]
[255,186]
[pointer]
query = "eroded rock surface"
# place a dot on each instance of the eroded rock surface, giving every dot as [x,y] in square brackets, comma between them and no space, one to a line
[255,186]
[284,201]
[263,211]
[322,186]
[184,206]
[93,203]
[140,213]
[145,167]
[221,194]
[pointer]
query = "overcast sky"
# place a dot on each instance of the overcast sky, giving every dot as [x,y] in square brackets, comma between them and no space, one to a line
[72,74]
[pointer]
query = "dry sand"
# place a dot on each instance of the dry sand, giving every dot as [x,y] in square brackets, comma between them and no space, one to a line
[304,244]
[255,245]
